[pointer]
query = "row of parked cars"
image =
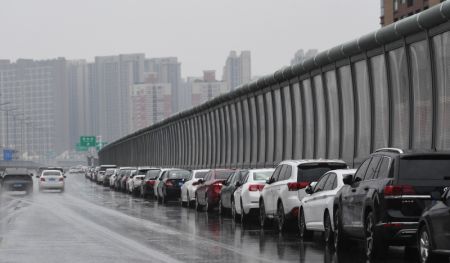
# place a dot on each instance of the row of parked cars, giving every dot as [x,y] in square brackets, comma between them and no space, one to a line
[394,198]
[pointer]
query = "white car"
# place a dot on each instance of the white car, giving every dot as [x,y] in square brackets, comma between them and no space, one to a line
[246,196]
[280,198]
[134,183]
[158,180]
[113,177]
[316,209]
[51,179]
[188,189]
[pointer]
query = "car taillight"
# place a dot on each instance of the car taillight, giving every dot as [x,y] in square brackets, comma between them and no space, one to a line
[151,182]
[61,179]
[217,187]
[42,179]
[297,186]
[169,183]
[392,190]
[255,187]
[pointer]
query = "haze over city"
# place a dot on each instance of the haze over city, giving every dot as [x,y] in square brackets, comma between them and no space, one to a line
[199,32]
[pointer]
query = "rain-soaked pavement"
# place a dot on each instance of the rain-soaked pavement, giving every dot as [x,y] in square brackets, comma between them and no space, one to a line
[90,223]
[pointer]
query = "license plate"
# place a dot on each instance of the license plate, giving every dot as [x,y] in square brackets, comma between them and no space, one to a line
[51,179]
[17,185]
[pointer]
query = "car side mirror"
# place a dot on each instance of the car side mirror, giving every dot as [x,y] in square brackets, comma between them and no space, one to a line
[309,190]
[436,196]
[269,181]
[347,179]
[237,184]
[65,176]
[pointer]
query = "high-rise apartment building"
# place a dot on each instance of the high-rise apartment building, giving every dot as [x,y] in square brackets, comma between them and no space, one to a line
[301,55]
[149,103]
[36,118]
[207,88]
[168,70]
[394,10]
[237,69]
[114,75]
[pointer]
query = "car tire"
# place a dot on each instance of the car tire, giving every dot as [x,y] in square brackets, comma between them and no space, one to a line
[303,231]
[328,233]
[189,201]
[220,207]
[244,217]
[339,239]
[425,248]
[198,206]
[373,243]
[208,207]
[263,219]
[234,214]
[281,218]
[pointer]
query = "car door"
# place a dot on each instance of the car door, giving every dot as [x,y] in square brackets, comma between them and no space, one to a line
[243,177]
[440,218]
[312,212]
[277,188]
[161,183]
[348,197]
[225,194]
[362,191]
[327,197]
[268,189]
[202,188]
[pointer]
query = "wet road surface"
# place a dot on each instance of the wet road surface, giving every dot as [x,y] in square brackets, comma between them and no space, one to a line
[91,223]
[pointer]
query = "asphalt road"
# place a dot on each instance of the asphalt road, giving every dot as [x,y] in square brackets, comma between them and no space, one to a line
[90,223]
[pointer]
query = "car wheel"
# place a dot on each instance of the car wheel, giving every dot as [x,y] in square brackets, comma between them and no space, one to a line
[373,245]
[263,220]
[281,218]
[198,206]
[221,212]
[244,217]
[189,202]
[328,234]
[234,214]
[304,233]
[425,249]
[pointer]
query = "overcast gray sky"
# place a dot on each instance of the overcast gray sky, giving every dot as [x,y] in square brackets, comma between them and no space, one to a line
[199,32]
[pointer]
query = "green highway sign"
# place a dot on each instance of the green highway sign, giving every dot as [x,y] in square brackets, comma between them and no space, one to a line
[88,141]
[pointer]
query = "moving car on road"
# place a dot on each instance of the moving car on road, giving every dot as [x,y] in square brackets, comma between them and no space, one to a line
[169,187]
[384,201]
[16,180]
[52,180]
[434,230]
[208,192]
[188,189]
[246,197]
[280,198]
[316,208]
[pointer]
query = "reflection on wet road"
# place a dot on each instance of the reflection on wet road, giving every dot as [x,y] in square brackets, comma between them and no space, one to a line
[90,223]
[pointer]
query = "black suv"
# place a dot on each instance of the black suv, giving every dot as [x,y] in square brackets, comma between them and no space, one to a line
[382,203]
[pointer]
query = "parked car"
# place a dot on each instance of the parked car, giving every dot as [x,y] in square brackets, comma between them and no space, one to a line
[383,202]
[126,181]
[108,173]
[434,229]
[245,202]
[226,193]
[208,192]
[100,175]
[149,181]
[188,189]
[316,208]
[280,198]
[134,185]
[158,179]
[123,171]
[16,180]
[113,177]
[51,179]
[169,187]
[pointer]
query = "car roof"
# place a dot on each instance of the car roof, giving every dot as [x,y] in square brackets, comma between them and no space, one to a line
[343,171]
[51,170]
[305,161]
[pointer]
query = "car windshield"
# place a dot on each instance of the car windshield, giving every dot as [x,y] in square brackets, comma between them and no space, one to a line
[152,174]
[181,174]
[142,171]
[312,172]
[223,175]
[51,173]
[262,175]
